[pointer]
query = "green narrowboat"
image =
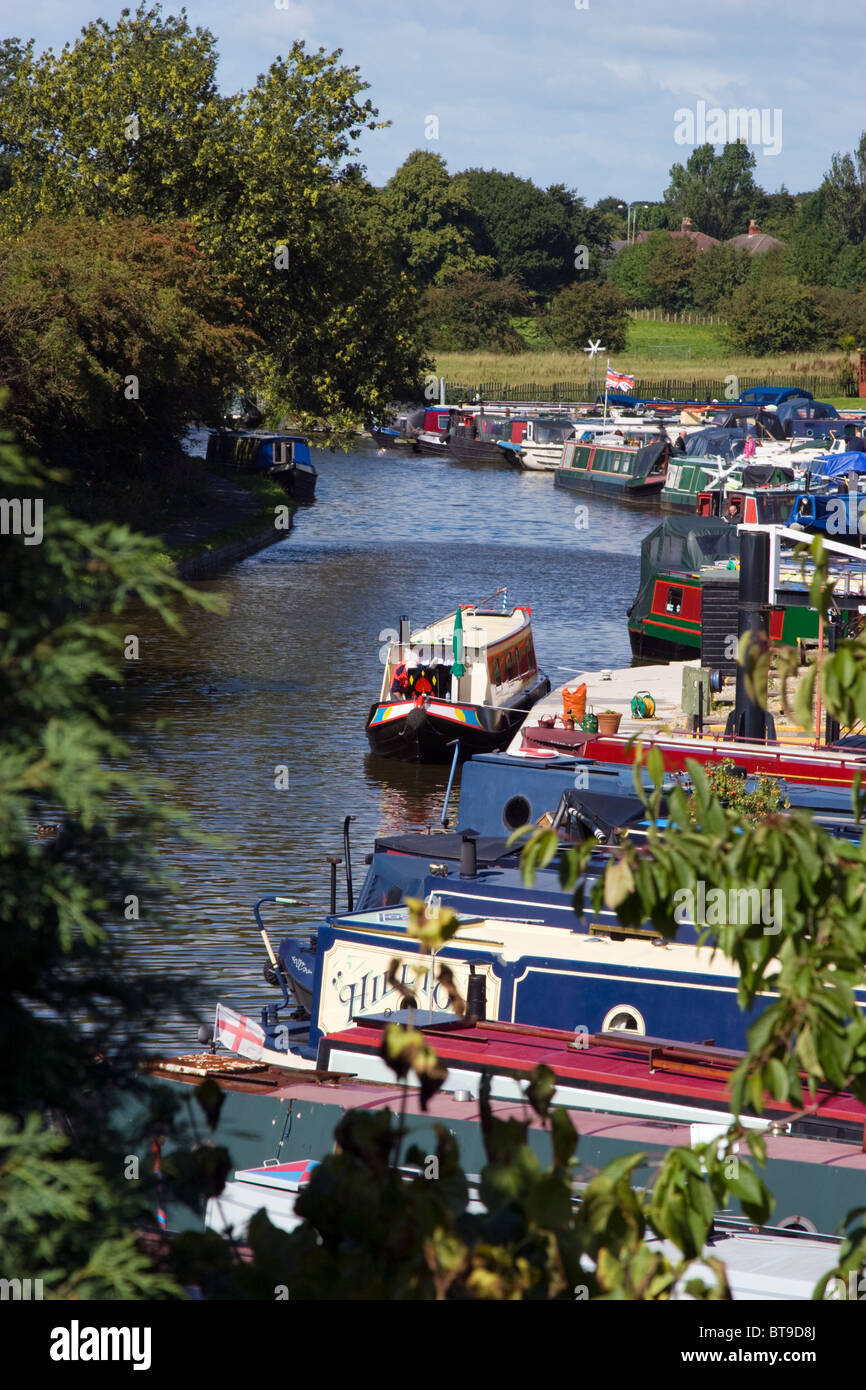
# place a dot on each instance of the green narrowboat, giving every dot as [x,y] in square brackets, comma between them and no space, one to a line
[689,479]
[687,603]
[632,469]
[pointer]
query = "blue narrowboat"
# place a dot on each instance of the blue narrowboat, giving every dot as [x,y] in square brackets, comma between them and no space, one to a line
[285,457]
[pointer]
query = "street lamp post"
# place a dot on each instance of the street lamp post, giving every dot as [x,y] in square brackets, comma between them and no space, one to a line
[631,222]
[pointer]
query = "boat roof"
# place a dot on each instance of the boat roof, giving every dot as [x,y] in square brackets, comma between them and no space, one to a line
[497,625]
[514,939]
[617,1060]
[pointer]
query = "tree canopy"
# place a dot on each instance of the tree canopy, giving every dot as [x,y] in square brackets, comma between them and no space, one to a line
[717,191]
[127,122]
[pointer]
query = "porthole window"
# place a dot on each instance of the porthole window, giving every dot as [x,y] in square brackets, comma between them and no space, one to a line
[516,812]
[796,1223]
[623,1019]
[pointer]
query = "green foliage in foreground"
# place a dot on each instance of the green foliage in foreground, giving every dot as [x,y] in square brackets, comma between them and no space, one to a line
[79,830]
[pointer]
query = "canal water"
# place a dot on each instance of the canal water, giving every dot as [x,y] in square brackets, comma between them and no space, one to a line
[285,680]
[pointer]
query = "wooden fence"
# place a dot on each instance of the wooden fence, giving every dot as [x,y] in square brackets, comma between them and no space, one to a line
[666,316]
[670,388]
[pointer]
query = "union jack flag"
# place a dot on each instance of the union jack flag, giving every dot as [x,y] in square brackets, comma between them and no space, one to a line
[618,381]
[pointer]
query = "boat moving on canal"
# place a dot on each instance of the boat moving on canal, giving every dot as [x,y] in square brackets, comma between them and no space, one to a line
[469,678]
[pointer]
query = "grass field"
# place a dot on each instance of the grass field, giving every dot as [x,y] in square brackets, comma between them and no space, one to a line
[654,350]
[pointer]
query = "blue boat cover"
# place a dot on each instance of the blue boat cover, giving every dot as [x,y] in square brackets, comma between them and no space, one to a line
[836,465]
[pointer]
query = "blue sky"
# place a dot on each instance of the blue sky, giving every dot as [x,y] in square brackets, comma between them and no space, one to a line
[582,96]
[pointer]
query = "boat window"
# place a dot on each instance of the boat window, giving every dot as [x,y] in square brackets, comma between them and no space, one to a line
[524,658]
[509,666]
[516,812]
[674,602]
[624,1018]
[497,672]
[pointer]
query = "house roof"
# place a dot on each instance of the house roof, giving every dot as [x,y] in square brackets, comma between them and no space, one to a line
[756,243]
[701,240]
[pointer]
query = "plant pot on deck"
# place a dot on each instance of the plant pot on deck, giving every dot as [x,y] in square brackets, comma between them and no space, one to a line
[608,723]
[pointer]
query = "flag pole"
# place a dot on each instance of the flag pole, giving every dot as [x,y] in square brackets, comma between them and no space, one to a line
[604,421]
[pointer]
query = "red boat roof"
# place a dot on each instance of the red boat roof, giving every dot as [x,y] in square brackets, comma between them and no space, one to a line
[691,1073]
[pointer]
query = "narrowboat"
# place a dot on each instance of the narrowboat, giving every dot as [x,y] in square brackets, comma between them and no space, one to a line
[815,766]
[431,432]
[689,566]
[424,430]
[689,478]
[475,437]
[468,678]
[285,457]
[768,505]
[278,1120]
[540,449]
[539,975]
[617,464]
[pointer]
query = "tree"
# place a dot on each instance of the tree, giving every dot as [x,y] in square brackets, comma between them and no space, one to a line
[79,829]
[844,189]
[113,336]
[815,243]
[127,121]
[532,234]
[775,316]
[431,213]
[778,213]
[716,273]
[12,54]
[718,192]
[589,311]
[628,271]
[656,273]
[839,316]
[669,273]
[472,311]
[612,211]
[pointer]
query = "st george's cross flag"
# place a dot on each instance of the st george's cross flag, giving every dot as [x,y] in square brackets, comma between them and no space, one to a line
[618,381]
[238,1033]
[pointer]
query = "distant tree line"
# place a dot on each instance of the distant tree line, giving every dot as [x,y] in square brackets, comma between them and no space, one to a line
[505,265]
[164,247]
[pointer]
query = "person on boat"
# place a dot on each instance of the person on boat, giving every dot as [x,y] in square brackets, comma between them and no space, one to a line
[400,682]
[733,512]
[749,447]
[680,444]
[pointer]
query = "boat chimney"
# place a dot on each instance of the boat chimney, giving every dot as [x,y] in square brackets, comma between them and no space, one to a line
[404,630]
[750,714]
[476,996]
[469,854]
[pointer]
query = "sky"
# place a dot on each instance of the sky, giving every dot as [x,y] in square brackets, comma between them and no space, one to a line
[603,96]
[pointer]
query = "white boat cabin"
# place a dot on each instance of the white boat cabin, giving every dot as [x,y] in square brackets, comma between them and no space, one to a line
[496,653]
